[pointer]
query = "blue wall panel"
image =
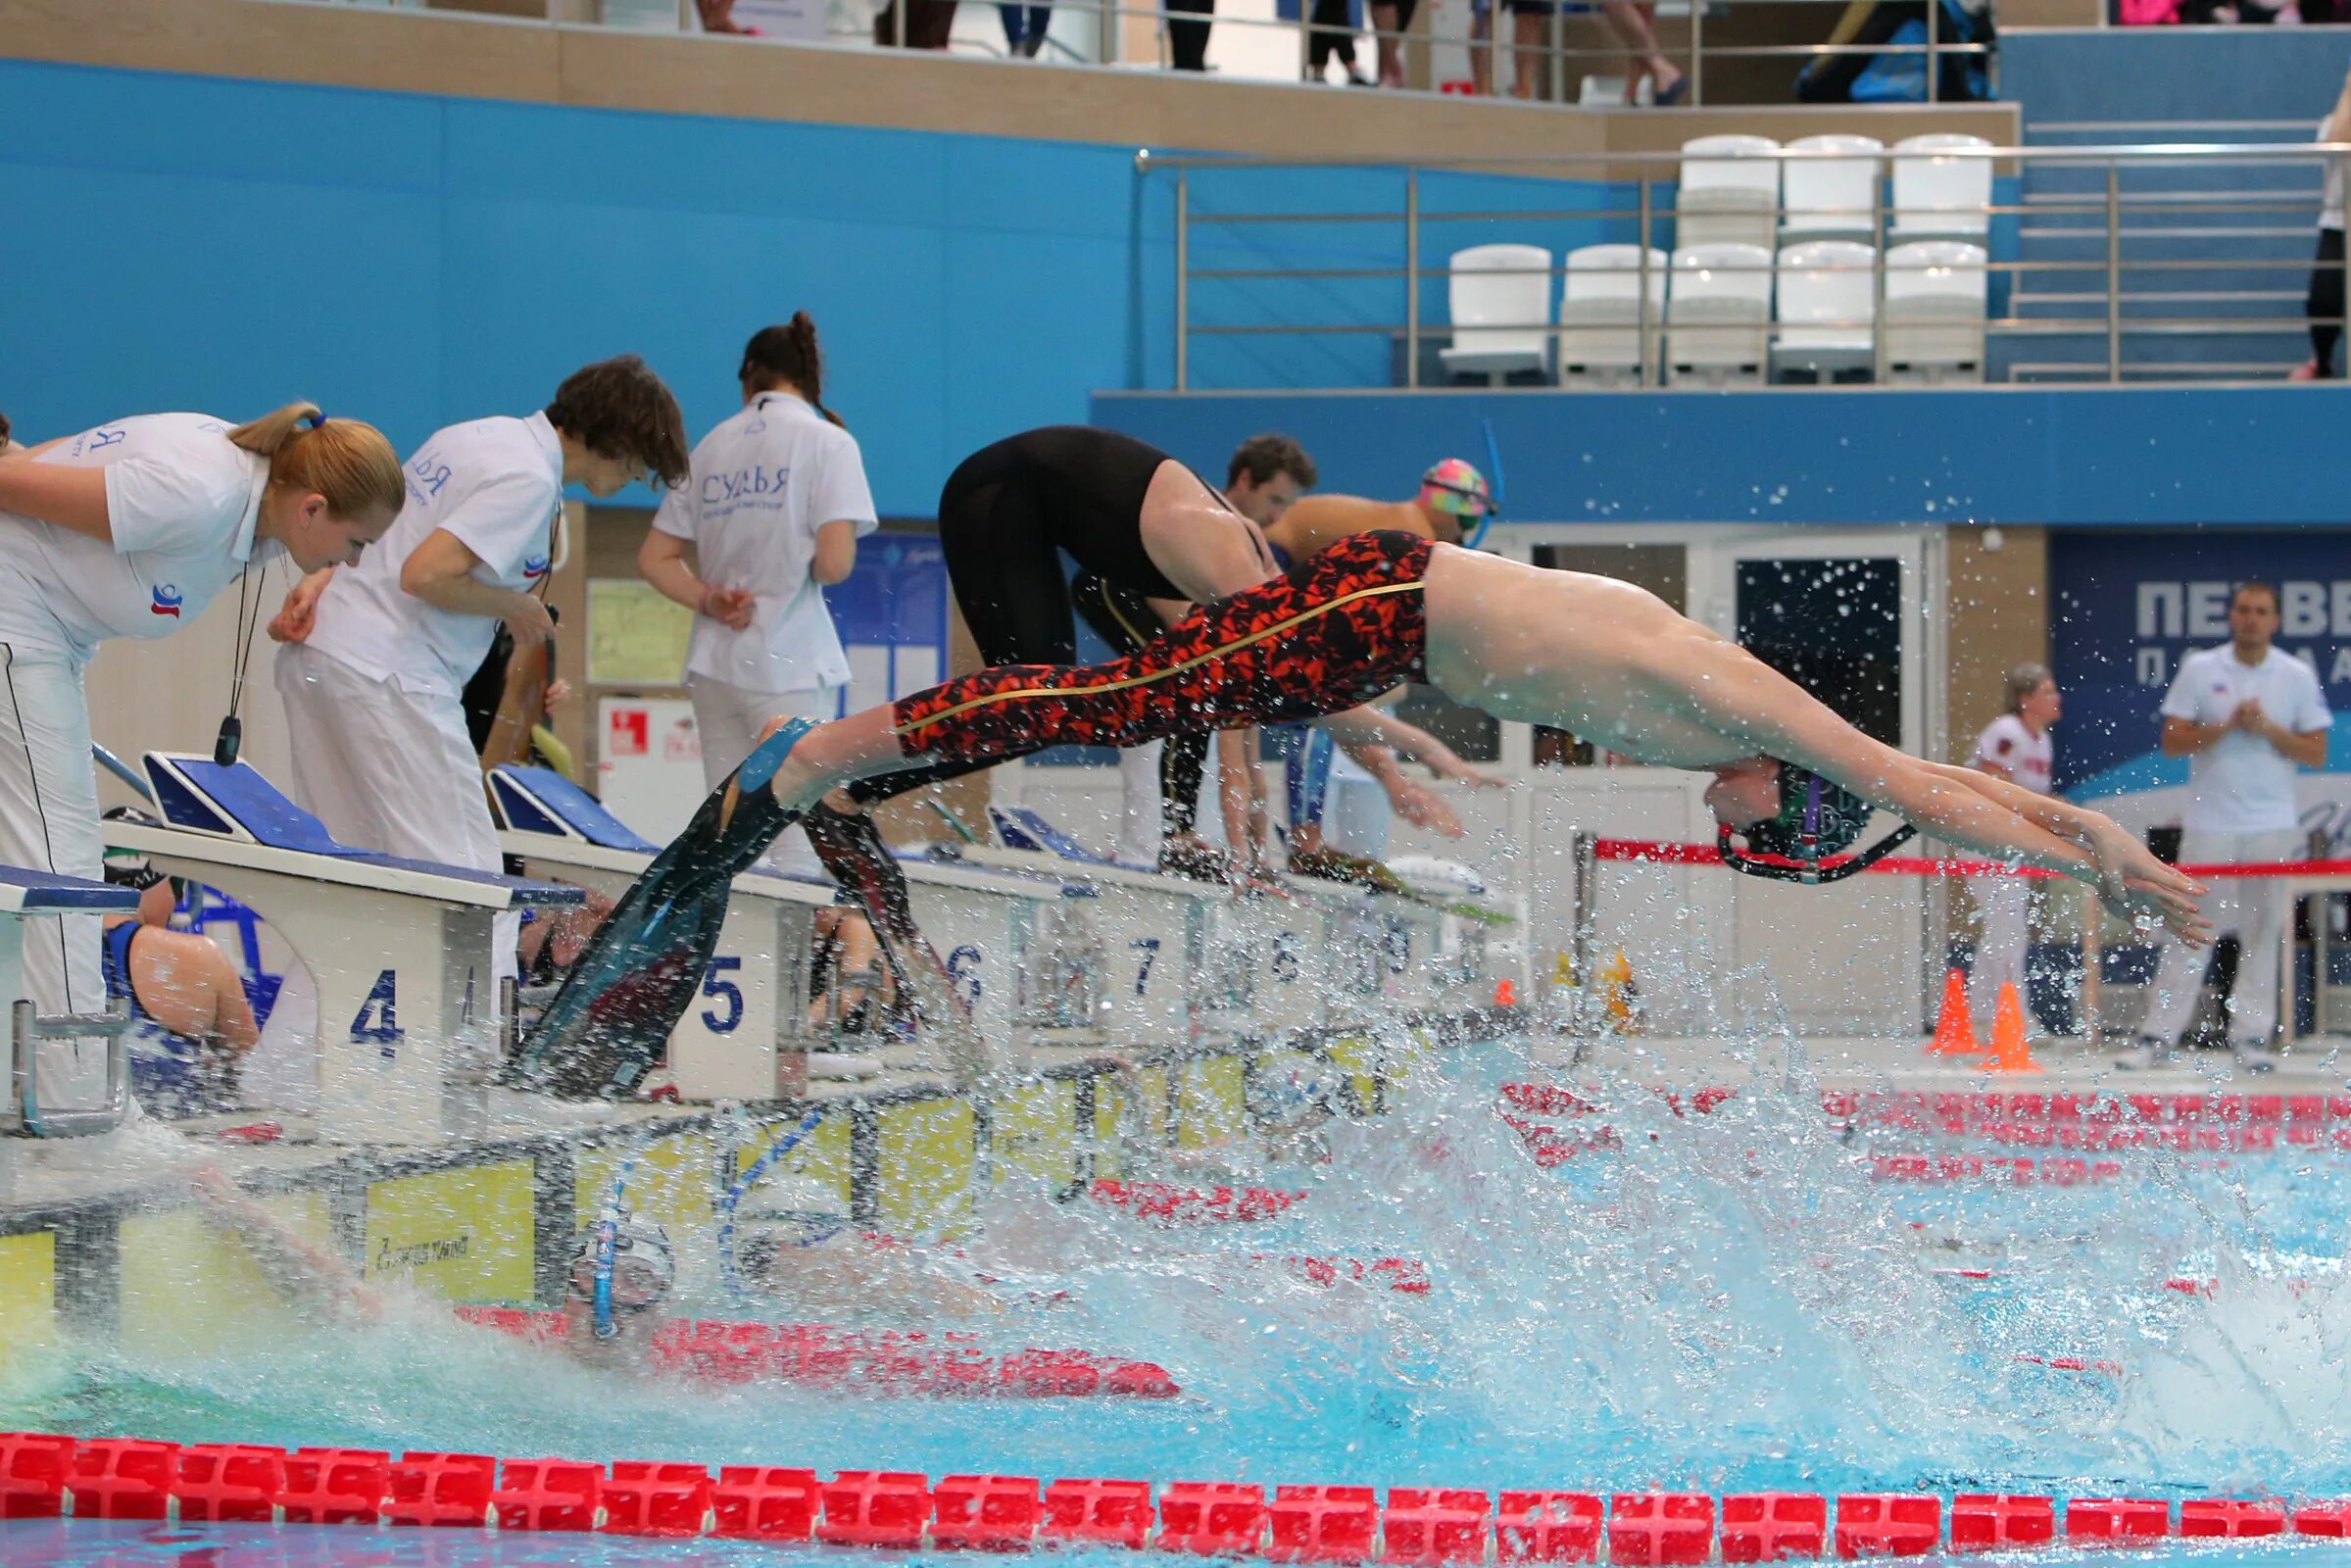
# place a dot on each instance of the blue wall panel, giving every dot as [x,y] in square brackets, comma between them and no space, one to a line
[230,245]
[2065,456]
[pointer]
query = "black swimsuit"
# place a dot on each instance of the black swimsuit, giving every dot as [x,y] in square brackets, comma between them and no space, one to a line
[1007,513]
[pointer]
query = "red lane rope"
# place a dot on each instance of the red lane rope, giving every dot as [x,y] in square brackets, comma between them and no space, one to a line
[48,1476]
[1658,852]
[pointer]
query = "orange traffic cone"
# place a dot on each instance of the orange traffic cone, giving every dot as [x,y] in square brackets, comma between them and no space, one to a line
[1505,994]
[1954,1030]
[2009,1051]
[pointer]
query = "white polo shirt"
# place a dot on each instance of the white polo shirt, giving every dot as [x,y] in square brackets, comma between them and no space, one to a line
[2243,783]
[763,483]
[181,500]
[2026,758]
[496,485]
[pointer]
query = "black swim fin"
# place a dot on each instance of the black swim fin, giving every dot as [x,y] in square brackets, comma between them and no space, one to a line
[852,851]
[609,1024]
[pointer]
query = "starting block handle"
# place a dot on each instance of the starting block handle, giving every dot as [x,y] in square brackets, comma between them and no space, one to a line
[23,1116]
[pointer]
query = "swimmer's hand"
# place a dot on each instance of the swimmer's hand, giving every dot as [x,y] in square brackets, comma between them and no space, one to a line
[2135,885]
[1458,771]
[298,618]
[1423,807]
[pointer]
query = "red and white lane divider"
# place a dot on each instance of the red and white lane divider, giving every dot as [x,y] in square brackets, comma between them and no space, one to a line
[43,1475]
[909,1364]
[1165,1205]
[2090,1124]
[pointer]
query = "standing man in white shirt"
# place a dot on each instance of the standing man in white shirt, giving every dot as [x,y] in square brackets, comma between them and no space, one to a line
[773,507]
[2014,747]
[377,658]
[2248,716]
[129,531]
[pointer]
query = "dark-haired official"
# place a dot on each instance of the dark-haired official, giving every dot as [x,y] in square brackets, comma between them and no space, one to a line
[774,506]
[376,655]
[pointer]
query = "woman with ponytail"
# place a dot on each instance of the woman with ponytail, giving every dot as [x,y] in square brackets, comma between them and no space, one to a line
[2014,748]
[129,531]
[775,508]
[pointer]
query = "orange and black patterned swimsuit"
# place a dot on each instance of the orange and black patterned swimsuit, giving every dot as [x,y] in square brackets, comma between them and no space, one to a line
[1333,631]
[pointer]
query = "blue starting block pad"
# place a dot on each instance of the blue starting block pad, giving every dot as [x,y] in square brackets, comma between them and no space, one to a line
[237,804]
[23,891]
[539,799]
[1023,828]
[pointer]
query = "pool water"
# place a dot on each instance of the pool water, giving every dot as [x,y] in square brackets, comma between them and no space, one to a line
[1729,1301]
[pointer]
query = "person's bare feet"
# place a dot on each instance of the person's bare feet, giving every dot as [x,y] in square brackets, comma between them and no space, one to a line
[2307,371]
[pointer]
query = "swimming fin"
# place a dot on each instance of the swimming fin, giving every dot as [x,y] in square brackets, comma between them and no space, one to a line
[609,1023]
[850,847]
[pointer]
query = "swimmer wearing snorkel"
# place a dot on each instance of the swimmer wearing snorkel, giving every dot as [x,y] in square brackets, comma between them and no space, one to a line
[1601,658]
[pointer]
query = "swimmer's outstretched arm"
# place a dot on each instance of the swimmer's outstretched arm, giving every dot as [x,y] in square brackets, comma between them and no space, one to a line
[2115,847]
[1746,701]
[300,1270]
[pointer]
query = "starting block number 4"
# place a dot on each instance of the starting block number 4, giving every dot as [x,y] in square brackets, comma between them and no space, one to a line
[377,1022]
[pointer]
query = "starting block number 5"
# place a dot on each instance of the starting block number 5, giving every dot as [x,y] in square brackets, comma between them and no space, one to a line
[718,988]
[378,1020]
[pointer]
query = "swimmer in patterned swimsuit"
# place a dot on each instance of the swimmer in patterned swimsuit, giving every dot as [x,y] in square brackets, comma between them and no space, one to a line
[1579,652]
[1150,538]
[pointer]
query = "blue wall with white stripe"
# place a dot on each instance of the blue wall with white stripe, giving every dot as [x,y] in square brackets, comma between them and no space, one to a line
[186,242]
[2089,457]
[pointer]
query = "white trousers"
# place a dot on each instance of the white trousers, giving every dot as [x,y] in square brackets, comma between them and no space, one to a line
[730,719]
[2250,907]
[2004,934]
[1139,815]
[49,822]
[390,770]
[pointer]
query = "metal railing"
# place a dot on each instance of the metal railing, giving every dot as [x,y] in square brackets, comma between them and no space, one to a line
[1640,201]
[1553,80]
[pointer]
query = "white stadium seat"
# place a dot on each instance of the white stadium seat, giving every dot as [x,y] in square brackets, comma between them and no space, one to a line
[1718,314]
[1500,304]
[1826,308]
[1602,341]
[1941,197]
[1936,293]
[1831,198]
[1728,196]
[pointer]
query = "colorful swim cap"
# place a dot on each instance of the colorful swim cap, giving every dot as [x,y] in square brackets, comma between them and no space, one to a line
[1456,486]
[1809,806]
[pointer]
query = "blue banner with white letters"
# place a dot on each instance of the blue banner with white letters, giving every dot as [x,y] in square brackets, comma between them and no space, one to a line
[2126,607]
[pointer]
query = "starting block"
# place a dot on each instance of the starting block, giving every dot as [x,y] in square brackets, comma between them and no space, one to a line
[401,948]
[755,994]
[30,1075]
[1122,960]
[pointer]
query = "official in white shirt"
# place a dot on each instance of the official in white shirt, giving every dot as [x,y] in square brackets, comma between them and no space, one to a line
[2014,747]
[129,531]
[2248,716]
[774,509]
[375,659]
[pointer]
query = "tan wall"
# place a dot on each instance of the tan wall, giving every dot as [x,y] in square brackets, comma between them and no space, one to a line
[1997,604]
[409,51]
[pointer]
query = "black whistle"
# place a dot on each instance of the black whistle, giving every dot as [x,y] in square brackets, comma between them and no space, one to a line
[225,747]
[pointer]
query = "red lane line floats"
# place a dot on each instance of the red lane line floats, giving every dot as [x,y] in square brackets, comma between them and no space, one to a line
[1165,1205]
[1555,1122]
[947,1365]
[49,1476]
[1648,851]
